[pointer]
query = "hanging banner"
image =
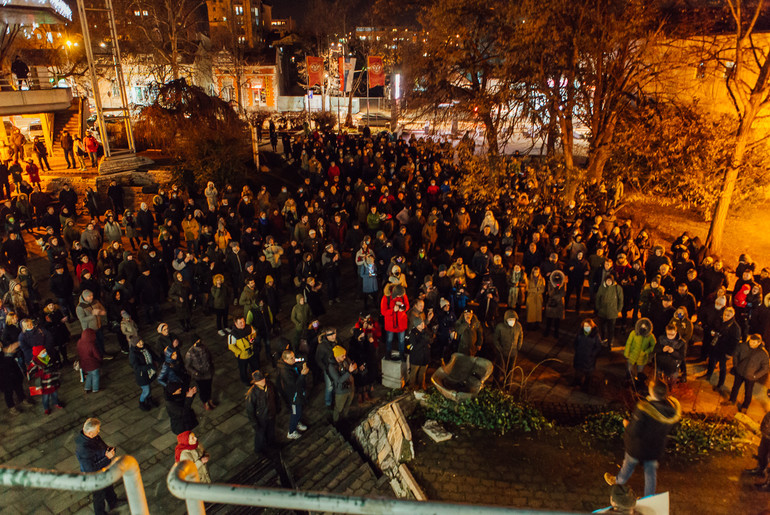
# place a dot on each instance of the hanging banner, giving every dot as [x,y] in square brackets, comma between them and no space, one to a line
[347,68]
[315,70]
[376,71]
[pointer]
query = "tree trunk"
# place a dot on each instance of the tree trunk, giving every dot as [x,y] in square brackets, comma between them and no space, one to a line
[718,221]
[567,145]
[491,133]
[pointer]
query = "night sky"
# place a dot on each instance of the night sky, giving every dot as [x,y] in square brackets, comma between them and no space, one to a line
[286,8]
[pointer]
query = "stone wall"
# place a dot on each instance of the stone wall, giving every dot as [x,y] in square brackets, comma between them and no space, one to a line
[386,438]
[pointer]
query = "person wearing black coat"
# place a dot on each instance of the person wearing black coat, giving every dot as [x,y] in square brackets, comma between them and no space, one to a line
[291,386]
[751,364]
[144,361]
[420,339]
[62,287]
[587,344]
[11,378]
[146,223]
[149,294]
[93,455]
[13,253]
[726,338]
[261,409]
[646,435]
[179,408]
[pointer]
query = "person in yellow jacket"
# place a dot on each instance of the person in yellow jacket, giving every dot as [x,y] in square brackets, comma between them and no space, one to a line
[240,341]
[640,346]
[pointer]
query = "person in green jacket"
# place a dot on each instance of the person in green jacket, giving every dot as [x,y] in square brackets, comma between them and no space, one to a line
[609,302]
[639,347]
[300,317]
[220,299]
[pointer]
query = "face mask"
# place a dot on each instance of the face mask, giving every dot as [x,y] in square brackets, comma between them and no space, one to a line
[511,322]
[586,329]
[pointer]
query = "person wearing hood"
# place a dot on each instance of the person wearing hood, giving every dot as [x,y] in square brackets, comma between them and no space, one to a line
[394,308]
[508,339]
[144,361]
[173,369]
[751,365]
[220,298]
[646,435]
[684,328]
[90,360]
[726,337]
[300,318]
[587,346]
[710,317]
[640,346]
[609,303]
[93,455]
[13,253]
[200,366]
[179,407]
[555,306]
[760,322]
[188,448]
[44,379]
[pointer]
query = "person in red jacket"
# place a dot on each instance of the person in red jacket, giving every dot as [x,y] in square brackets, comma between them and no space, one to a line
[92,147]
[394,308]
[90,360]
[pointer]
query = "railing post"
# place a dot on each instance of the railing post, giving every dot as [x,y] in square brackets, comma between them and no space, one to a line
[132,481]
[189,472]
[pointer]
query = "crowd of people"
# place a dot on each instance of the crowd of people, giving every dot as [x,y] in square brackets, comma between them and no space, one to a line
[435,274]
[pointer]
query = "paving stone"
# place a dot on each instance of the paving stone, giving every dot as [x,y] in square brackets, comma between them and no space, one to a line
[164,441]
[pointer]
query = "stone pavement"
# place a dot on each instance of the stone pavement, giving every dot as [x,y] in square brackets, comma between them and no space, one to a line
[564,472]
[33,440]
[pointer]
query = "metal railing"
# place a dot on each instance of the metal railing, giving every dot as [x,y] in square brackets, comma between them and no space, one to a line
[122,467]
[183,483]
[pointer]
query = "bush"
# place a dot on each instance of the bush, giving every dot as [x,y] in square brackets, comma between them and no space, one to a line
[694,435]
[492,410]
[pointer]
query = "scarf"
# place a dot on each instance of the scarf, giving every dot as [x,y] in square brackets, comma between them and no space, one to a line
[183,444]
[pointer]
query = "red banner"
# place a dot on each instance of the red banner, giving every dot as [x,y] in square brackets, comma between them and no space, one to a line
[341,63]
[376,71]
[315,71]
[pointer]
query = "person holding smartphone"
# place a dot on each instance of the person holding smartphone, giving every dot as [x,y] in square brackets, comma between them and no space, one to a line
[93,455]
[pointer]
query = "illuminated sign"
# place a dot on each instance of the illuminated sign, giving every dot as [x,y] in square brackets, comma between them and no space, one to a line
[30,11]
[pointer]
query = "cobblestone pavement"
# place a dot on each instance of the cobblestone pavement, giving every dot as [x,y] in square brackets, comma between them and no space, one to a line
[563,472]
[34,440]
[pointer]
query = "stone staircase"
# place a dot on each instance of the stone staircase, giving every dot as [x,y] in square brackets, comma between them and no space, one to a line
[64,121]
[321,461]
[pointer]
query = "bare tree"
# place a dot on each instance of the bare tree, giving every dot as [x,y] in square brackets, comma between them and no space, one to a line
[167,29]
[745,66]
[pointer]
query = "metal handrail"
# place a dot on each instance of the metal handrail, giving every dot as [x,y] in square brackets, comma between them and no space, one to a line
[182,481]
[122,467]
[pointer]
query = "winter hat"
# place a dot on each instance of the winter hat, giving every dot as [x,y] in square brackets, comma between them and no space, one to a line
[339,351]
[257,376]
[124,314]
[269,279]
[443,303]
[162,326]
[248,264]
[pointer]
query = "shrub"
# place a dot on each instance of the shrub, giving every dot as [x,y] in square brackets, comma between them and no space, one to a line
[491,410]
[694,435]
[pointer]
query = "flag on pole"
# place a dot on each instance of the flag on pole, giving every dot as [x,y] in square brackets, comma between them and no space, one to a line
[347,67]
[376,71]
[315,70]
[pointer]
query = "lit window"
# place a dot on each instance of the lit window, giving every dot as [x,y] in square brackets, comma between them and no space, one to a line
[137,13]
[239,10]
[729,70]
[224,18]
[701,71]
[145,13]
